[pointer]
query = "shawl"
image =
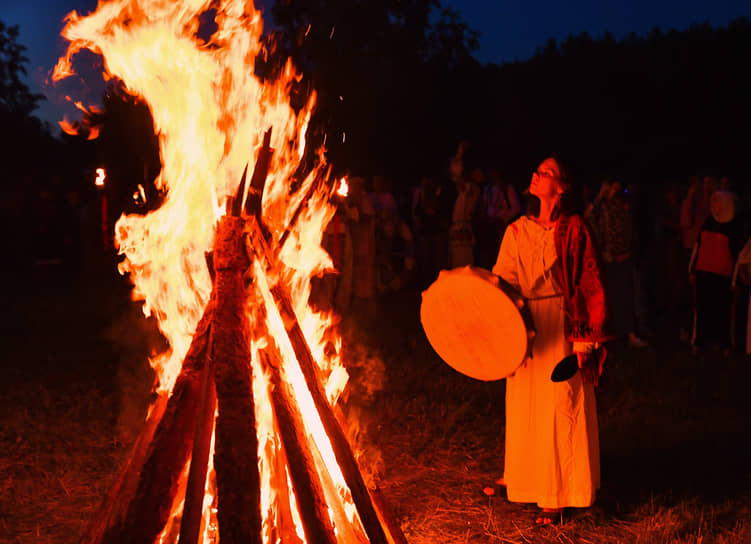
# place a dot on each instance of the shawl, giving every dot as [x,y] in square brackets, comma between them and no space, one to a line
[580,277]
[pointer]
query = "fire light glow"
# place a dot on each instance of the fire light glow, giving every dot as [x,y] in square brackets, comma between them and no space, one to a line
[210,112]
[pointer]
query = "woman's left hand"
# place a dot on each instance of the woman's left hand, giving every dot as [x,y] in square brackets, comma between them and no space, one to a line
[588,366]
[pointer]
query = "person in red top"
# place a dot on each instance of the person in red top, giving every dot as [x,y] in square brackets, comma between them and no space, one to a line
[711,269]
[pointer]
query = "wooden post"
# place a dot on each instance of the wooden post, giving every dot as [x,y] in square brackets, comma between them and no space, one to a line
[190,524]
[168,451]
[345,457]
[236,445]
[311,502]
[393,529]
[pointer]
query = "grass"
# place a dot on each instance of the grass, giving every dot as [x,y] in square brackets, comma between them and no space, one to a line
[674,428]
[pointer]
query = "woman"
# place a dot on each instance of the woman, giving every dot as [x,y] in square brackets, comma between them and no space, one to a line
[552,445]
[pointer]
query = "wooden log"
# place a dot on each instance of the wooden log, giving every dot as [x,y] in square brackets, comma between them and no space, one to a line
[236,444]
[284,528]
[311,502]
[388,520]
[190,524]
[339,443]
[257,244]
[258,179]
[346,530]
[168,451]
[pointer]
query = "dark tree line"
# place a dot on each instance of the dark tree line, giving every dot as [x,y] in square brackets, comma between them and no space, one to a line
[398,88]
[26,135]
[386,74]
[646,108]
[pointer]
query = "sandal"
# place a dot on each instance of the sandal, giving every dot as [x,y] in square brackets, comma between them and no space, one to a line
[549,516]
[496,488]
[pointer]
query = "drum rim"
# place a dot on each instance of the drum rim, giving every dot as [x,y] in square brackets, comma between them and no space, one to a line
[515,298]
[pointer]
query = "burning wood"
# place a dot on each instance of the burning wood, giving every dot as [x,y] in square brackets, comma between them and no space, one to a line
[246,447]
[217,373]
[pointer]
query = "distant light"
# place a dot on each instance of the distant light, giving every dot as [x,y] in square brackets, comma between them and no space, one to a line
[100,175]
[139,196]
[343,189]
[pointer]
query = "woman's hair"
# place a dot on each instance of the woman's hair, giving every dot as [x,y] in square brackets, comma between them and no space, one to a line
[571,201]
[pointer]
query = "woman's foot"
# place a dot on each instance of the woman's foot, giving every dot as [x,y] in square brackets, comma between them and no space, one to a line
[495,488]
[549,516]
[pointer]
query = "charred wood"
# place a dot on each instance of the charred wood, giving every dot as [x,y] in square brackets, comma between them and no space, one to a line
[168,451]
[309,496]
[236,445]
[190,525]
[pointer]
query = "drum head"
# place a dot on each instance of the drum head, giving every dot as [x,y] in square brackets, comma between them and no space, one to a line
[473,324]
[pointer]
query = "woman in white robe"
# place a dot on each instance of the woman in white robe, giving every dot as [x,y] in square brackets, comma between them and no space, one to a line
[552,444]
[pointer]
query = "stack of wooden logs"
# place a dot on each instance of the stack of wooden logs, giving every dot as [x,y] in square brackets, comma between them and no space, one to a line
[216,377]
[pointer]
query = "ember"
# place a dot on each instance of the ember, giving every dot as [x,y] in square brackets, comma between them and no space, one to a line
[253,371]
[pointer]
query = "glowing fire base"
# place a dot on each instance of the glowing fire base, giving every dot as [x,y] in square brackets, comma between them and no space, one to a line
[170,491]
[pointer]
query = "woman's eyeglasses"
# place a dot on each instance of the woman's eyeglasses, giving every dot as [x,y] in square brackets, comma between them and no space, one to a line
[546,174]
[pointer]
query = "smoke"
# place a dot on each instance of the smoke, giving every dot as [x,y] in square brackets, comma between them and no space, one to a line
[367,378]
[134,339]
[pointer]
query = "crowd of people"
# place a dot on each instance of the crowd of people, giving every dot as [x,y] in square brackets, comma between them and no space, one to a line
[672,253]
[675,253]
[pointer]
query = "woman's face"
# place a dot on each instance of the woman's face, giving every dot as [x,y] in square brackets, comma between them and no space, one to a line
[546,180]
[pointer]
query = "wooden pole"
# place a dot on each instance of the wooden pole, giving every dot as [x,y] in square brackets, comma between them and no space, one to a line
[190,523]
[284,529]
[345,457]
[309,496]
[168,451]
[236,444]
[389,522]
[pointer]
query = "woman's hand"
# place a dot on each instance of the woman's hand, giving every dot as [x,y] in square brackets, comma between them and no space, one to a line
[588,366]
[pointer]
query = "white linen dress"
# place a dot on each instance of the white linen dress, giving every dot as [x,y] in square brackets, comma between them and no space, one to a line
[552,443]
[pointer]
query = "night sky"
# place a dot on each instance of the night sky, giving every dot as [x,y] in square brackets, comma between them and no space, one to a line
[509,30]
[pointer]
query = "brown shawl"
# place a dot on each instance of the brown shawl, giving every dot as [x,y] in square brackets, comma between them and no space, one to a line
[581,279]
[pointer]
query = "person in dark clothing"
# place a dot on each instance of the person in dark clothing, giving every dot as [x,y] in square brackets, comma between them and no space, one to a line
[711,270]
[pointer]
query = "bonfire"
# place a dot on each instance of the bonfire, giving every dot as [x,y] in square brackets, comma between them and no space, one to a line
[244,443]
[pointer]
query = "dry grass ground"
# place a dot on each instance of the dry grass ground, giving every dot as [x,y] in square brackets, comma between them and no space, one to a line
[674,428]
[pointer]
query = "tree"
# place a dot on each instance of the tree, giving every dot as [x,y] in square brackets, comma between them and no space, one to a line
[15,95]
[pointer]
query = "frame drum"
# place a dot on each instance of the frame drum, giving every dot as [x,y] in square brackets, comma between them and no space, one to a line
[477,322]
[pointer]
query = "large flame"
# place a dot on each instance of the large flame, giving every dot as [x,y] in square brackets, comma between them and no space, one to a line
[210,113]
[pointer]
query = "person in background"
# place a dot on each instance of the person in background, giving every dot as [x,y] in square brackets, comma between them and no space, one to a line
[333,289]
[610,217]
[711,270]
[461,235]
[694,212]
[552,455]
[361,217]
[429,225]
[671,280]
[395,253]
[499,205]
[382,197]
[740,285]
